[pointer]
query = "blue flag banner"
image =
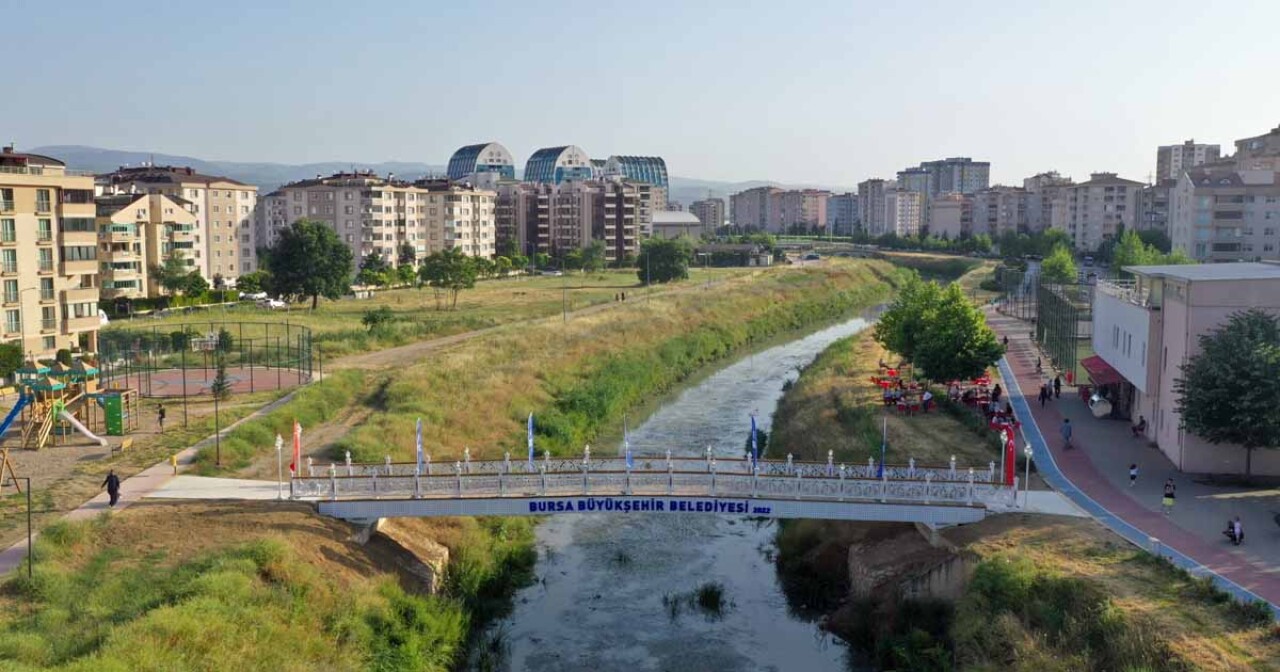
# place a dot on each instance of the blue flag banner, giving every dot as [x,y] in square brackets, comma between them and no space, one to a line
[419,446]
[626,444]
[755,450]
[530,439]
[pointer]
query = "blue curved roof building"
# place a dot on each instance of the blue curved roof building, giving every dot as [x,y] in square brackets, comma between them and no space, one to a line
[553,165]
[648,169]
[489,157]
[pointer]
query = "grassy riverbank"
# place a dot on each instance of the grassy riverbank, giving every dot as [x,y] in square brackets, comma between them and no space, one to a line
[577,378]
[250,587]
[1047,594]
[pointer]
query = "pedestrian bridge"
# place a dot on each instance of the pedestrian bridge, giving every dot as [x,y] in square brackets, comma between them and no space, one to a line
[657,485]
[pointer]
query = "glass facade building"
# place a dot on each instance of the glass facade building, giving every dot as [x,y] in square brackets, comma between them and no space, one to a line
[490,157]
[553,165]
[648,169]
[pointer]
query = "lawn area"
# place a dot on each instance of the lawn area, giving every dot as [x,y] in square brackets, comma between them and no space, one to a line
[337,329]
[833,406]
[577,378]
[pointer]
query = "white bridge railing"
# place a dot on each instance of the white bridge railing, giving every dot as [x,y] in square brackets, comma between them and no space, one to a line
[657,476]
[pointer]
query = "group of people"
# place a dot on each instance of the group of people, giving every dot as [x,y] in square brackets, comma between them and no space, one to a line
[1050,389]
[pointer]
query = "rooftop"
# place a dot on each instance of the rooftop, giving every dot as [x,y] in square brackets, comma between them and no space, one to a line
[661,217]
[1212,272]
[166,174]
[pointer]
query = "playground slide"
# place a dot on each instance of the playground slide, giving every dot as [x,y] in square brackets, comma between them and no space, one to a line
[13,414]
[71,419]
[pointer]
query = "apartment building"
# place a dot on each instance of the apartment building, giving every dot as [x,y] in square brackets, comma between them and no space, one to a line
[903,212]
[951,215]
[48,255]
[1171,160]
[1042,190]
[842,214]
[550,218]
[1260,152]
[710,212]
[1153,206]
[871,195]
[458,216]
[1145,330]
[1000,210]
[957,174]
[225,245]
[758,208]
[802,209]
[1092,211]
[136,233]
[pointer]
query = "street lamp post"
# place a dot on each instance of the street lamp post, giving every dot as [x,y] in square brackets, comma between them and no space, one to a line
[1026,476]
[31,558]
[279,467]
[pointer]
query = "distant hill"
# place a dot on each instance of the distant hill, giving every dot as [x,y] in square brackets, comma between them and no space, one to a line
[268,176]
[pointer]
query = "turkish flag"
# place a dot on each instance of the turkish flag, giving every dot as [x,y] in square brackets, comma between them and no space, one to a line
[1010,457]
[297,448]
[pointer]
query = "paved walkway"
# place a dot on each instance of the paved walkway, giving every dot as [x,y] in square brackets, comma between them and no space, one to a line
[205,487]
[1095,476]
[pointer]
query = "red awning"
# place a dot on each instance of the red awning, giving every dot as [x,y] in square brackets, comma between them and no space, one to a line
[1100,372]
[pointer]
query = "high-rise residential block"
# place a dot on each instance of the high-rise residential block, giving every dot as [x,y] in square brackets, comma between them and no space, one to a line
[1093,211]
[903,212]
[758,208]
[710,212]
[957,174]
[48,255]
[951,215]
[871,204]
[802,210]
[137,233]
[1042,191]
[489,159]
[555,218]
[1153,206]
[1171,160]
[842,214]
[1230,211]
[1000,210]
[225,245]
[553,165]
[458,216]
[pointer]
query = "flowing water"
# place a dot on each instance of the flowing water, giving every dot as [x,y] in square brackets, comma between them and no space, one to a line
[598,603]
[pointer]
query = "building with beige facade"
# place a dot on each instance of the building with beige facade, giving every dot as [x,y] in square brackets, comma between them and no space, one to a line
[871,195]
[1042,191]
[225,245]
[1092,212]
[136,234]
[551,219]
[48,255]
[1146,329]
[459,216]
[1000,210]
[802,210]
[756,209]
[1171,160]
[709,211]
[951,215]
[903,212]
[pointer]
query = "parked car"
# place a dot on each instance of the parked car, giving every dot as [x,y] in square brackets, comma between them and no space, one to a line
[551,272]
[811,257]
[272,304]
[255,296]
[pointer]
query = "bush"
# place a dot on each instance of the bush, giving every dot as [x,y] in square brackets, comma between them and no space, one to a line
[377,320]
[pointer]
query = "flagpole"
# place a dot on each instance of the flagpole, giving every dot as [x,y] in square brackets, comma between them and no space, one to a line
[884,441]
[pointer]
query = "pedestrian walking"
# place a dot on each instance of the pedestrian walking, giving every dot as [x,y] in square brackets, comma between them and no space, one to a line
[1170,492]
[1057,386]
[160,416]
[995,394]
[1133,474]
[1044,395]
[1006,342]
[112,484]
[1065,431]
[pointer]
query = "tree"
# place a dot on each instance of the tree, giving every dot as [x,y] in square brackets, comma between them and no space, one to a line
[407,255]
[254,282]
[502,266]
[957,344]
[484,267]
[1059,267]
[309,259]
[172,274]
[572,259]
[10,358]
[195,284]
[519,262]
[225,341]
[406,274]
[593,257]
[221,387]
[448,273]
[374,272]
[1131,251]
[377,320]
[900,327]
[1229,392]
[219,282]
[664,260]
[1157,239]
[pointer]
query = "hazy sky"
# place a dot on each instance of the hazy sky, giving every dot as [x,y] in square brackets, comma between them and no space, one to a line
[815,91]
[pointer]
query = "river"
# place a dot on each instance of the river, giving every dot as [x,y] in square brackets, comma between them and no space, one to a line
[598,602]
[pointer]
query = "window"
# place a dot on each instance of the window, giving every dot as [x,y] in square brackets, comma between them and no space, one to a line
[44,230]
[46,289]
[12,322]
[49,342]
[244,252]
[10,291]
[43,202]
[80,253]
[8,231]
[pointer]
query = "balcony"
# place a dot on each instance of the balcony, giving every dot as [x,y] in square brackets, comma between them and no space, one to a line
[80,295]
[9,268]
[79,237]
[8,238]
[46,266]
[44,206]
[6,205]
[76,324]
[13,329]
[47,294]
[11,298]
[48,325]
[79,266]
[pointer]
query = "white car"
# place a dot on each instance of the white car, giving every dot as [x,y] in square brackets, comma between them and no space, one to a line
[272,304]
[256,296]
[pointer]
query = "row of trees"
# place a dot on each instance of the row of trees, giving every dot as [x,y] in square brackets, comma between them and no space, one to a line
[939,331]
